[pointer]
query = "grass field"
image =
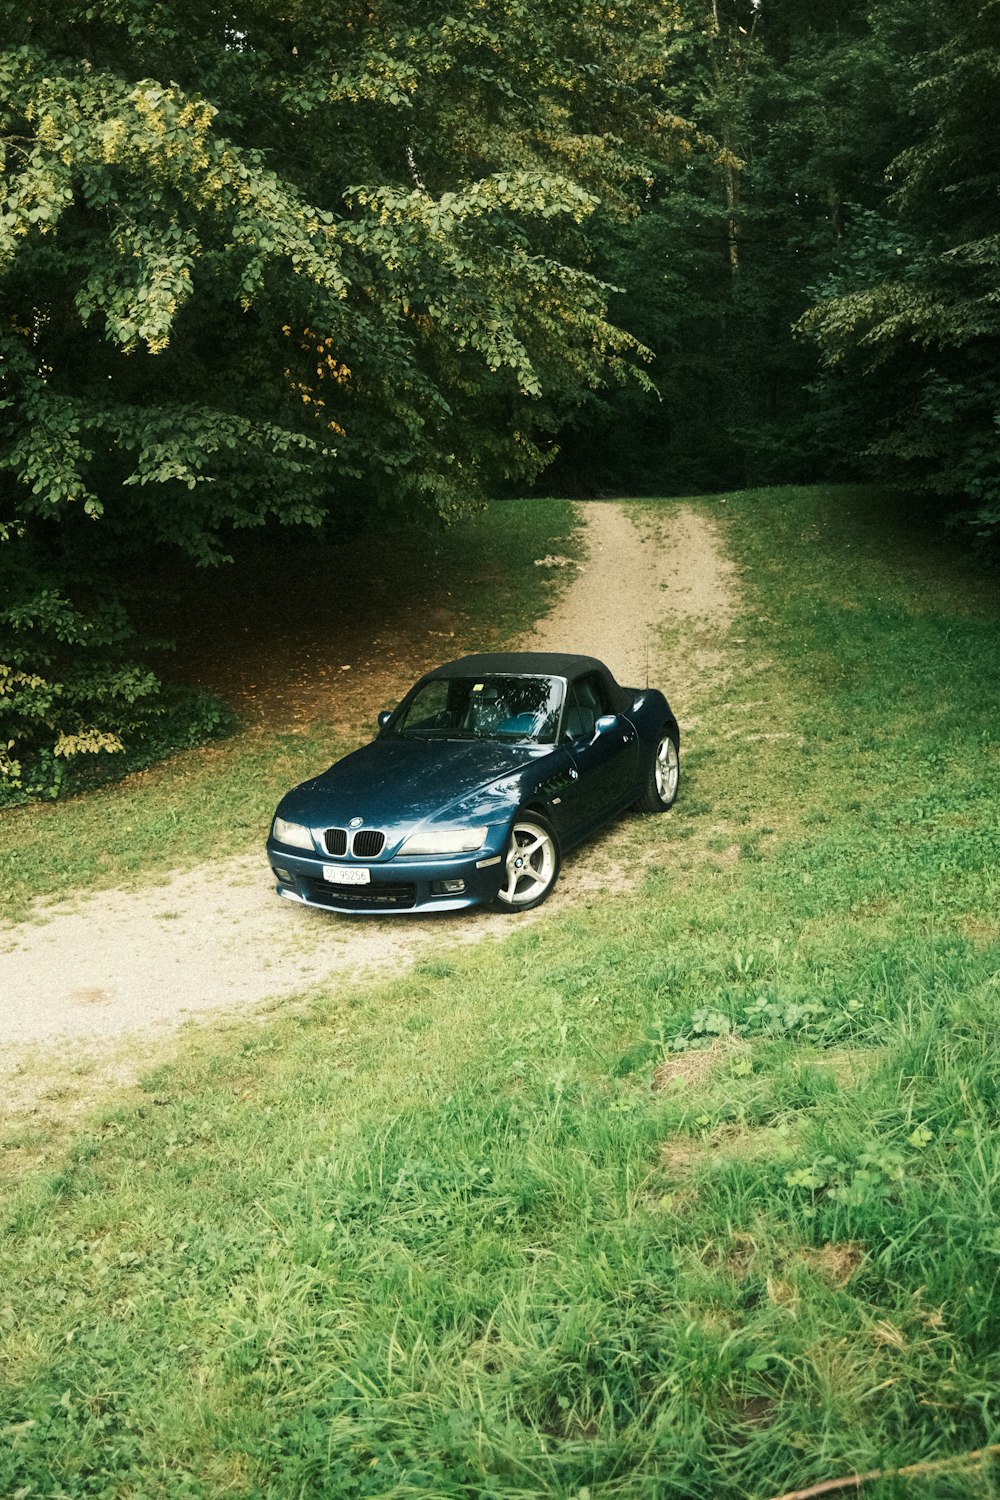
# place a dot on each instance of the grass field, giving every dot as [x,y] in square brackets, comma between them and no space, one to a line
[687,1194]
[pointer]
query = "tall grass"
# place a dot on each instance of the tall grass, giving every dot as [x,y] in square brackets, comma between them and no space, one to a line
[691,1195]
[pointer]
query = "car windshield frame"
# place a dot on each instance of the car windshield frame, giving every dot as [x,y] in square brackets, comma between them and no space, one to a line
[493,707]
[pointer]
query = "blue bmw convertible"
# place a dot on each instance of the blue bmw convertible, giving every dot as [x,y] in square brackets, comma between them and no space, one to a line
[476,783]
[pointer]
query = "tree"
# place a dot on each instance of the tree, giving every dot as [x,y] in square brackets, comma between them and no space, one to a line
[282,262]
[908,321]
[802,103]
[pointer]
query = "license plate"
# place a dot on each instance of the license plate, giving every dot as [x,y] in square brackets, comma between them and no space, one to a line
[346,875]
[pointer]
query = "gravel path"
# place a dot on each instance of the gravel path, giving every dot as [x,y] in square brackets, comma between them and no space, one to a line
[133,965]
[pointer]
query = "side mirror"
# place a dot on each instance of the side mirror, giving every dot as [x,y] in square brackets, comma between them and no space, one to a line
[384,717]
[604,723]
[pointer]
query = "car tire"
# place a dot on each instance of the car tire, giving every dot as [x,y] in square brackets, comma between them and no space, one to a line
[531,863]
[663,773]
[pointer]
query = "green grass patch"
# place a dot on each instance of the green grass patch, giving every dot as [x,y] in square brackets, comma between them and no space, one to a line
[690,1194]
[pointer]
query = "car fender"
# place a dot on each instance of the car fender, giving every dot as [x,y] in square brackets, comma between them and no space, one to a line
[648,713]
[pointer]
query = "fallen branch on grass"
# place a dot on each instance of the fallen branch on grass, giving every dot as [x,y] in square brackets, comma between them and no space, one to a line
[932,1466]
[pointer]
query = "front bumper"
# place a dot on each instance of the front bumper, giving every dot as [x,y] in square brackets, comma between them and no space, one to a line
[419,884]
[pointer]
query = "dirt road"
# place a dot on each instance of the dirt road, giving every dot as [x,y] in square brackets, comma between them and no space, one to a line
[122,966]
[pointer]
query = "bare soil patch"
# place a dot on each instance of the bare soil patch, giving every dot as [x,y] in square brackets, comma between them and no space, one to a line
[835,1262]
[131,966]
[292,635]
[696,1065]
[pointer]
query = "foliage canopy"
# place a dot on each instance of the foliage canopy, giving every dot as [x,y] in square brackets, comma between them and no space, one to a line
[908,322]
[821,293]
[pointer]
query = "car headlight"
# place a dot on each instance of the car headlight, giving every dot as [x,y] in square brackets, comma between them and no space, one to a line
[445,841]
[294,834]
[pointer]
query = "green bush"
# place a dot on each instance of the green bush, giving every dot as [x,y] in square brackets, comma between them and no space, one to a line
[173,718]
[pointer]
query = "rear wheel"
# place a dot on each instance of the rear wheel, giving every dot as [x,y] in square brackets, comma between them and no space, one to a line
[531,864]
[663,773]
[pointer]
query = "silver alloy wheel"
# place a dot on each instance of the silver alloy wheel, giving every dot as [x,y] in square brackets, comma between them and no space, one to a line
[531,865]
[666,770]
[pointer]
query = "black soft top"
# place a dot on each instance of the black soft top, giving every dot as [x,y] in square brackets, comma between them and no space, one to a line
[532,664]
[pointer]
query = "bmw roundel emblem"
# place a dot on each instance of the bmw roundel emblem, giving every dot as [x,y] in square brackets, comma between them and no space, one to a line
[355,822]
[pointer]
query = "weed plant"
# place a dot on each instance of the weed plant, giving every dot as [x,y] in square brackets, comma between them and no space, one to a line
[690,1193]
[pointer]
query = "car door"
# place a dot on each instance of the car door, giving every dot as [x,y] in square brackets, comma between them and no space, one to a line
[606,763]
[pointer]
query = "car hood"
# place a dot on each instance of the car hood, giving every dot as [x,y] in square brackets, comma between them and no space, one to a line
[396,783]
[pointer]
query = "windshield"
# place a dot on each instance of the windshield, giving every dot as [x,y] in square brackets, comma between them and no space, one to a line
[511,709]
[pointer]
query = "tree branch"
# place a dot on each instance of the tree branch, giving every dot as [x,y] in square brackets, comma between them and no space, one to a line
[933,1466]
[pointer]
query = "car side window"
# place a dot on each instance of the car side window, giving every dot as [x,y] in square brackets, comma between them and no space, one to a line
[586,701]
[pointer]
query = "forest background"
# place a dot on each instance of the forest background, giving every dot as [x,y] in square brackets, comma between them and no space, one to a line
[327,268]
